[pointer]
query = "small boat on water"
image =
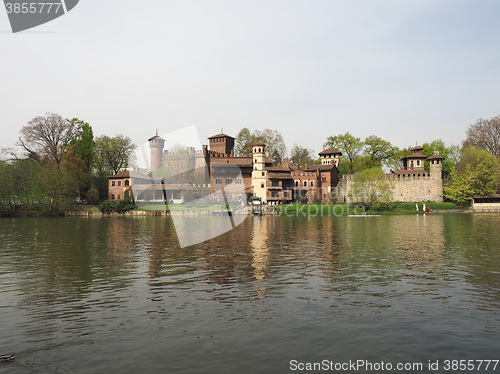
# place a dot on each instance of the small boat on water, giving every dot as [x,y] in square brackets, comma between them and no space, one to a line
[6,358]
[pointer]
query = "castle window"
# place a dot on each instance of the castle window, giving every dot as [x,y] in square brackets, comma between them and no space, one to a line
[112,197]
[119,184]
[262,185]
[323,179]
[229,180]
[260,149]
[218,180]
[118,197]
[255,161]
[127,183]
[275,183]
[263,173]
[239,180]
[296,183]
[418,162]
[112,183]
[312,183]
[305,183]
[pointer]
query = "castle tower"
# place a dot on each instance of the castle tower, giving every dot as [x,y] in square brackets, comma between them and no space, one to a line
[259,174]
[222,143]
[415,160]
[156,143]
[330,156]
[436,166]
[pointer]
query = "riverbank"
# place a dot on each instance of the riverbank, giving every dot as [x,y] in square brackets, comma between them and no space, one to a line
[366,208]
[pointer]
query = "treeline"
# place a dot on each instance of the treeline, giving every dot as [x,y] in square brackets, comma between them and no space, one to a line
[62,163]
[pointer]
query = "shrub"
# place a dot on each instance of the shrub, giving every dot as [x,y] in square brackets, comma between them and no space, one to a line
[119,206]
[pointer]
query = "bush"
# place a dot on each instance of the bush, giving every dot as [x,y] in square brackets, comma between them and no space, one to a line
[119,206]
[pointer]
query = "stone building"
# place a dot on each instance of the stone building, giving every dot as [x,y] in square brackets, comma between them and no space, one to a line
[217,165]
[410,184]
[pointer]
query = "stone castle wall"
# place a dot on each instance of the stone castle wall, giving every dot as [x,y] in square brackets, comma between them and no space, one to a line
[408,188]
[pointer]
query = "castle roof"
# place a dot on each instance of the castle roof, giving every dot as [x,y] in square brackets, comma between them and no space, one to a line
[221,136]
[128,174]
[156,137]
[415,155]
[436,157]
[330,151]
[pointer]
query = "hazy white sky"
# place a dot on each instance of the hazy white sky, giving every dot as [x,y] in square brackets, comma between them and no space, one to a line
[407,71]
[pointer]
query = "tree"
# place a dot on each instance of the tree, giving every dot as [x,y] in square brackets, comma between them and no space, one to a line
[115,153]
[437,147]
[301,155]
[477,173]
[47,138]
[244,142]
[485,133]
[372,185]
[275,143]
[84,141]
[395,162]
[378,151]
[349,145]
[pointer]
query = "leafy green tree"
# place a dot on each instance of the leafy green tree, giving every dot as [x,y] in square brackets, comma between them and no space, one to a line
[395,162]
[477,173]
[275,143]
[114,153]
[301,155]
[84,141]
[438,147]
[378,151]
[244,142]
[372,185]
[485,133]
[349,145]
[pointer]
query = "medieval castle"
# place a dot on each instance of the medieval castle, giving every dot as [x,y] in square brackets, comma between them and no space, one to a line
[217,166]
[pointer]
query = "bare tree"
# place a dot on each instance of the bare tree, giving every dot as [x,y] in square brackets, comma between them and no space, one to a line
[47,137]
[485,133]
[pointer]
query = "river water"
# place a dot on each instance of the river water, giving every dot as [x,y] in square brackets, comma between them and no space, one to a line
[119,295]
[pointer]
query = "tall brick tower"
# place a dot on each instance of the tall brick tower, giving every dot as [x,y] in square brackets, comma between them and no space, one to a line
[156,143]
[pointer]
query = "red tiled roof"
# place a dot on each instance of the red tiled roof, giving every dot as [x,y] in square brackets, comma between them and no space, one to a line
[415,155]
[436,157]
[221,135]
[156,137]
[128,174]
[330,151]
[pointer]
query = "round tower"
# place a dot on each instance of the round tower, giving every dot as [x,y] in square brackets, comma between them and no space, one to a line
[156,143]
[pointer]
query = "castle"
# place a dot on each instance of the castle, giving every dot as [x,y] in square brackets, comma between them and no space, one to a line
[410,184]
[217,166]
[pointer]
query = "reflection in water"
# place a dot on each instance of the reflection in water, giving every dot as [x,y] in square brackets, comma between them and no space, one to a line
[121,292]
[260,253]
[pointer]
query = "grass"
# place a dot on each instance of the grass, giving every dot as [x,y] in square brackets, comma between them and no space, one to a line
[370,208]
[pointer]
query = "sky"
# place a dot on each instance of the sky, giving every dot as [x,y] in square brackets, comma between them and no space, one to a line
[407,71]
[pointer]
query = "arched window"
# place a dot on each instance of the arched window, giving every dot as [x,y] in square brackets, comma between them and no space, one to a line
[127,183]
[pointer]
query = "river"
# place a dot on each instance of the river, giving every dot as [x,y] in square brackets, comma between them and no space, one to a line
[119,295]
